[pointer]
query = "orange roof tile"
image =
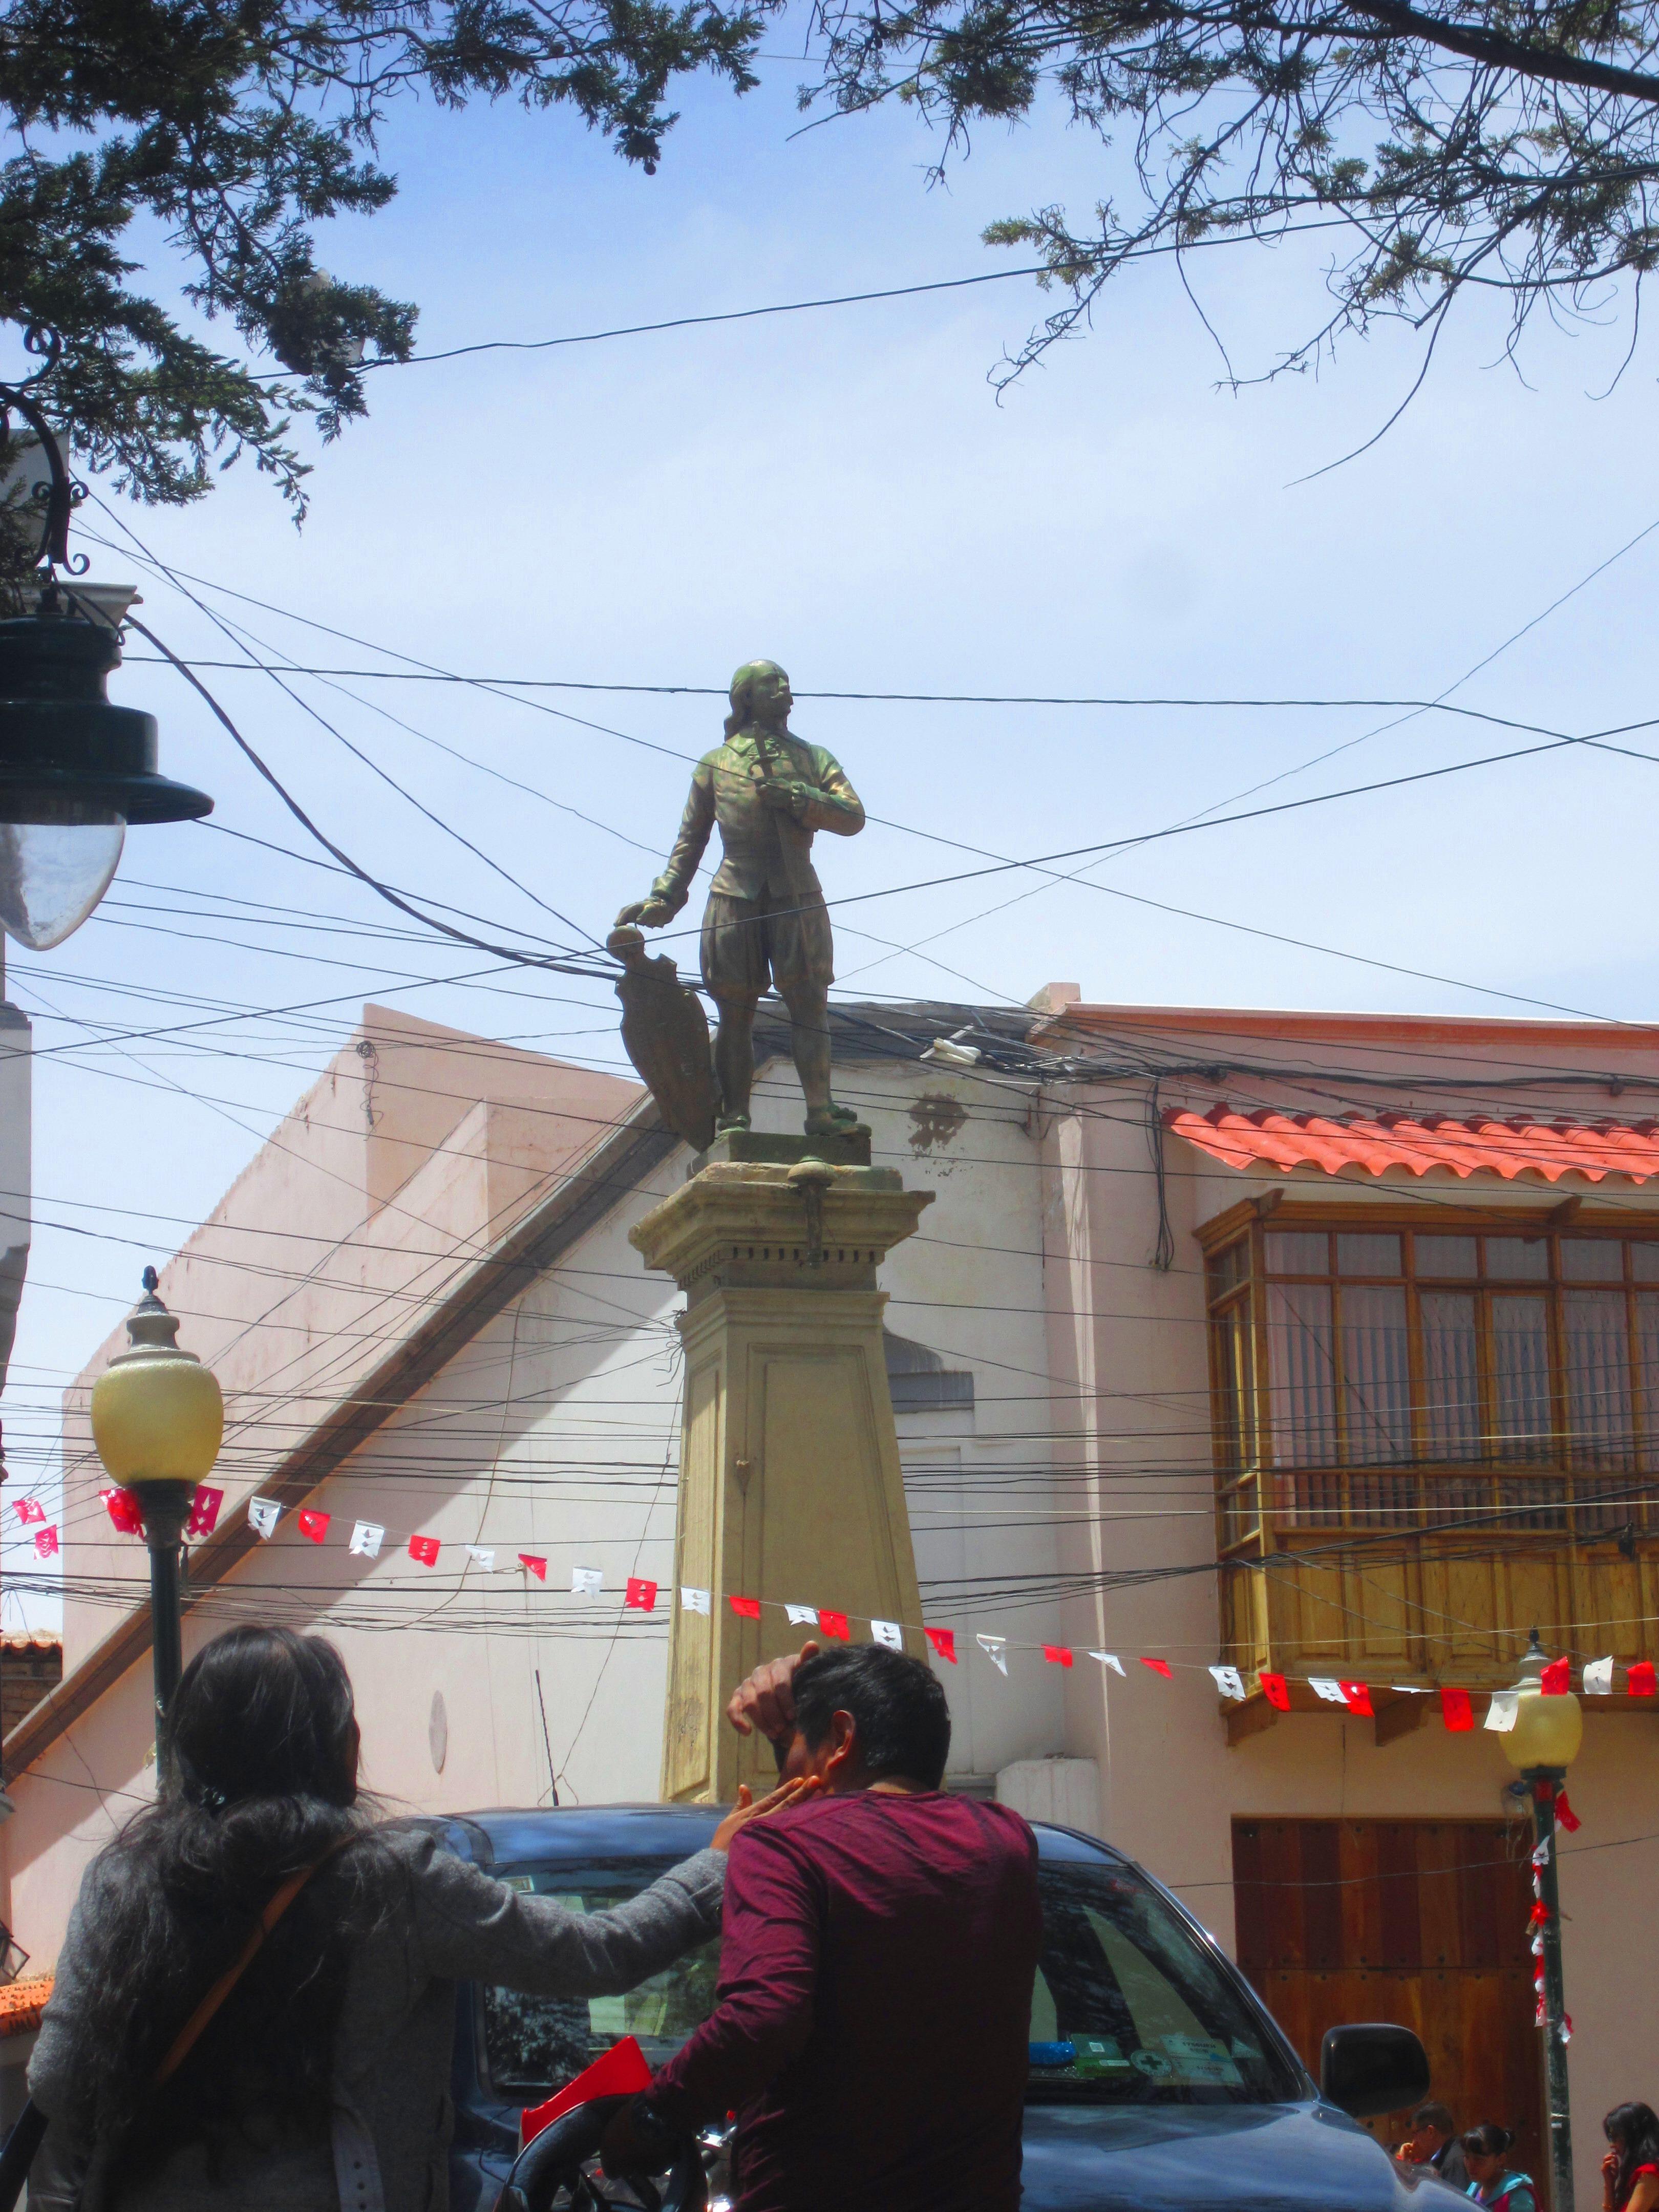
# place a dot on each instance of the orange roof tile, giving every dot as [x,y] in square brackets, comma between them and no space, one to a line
[22,2004]
[1509,1148]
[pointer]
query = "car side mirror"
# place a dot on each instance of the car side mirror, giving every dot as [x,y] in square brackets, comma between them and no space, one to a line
[1370,2067]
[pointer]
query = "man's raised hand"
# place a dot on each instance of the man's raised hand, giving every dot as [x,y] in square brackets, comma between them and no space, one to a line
[766,1701]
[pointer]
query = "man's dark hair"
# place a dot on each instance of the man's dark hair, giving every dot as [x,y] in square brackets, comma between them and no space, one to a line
[1437,2116]
[903,1722]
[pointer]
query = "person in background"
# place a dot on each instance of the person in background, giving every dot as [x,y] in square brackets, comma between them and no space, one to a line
[872,2017]
[1433,2142]
[1492,2179]
[1630,2172]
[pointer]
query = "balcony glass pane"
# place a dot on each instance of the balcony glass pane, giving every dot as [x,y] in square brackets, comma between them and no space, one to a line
[1376,1383]
[1644,1262]
[1454,1257]
[1598,1376]
[1647,1373]
[1521,1375]
[1517,1259]
[1298,1252]
[1302,1366]
[1592,1260]
[1234,1393]
[1451,1379]
[1367,1255]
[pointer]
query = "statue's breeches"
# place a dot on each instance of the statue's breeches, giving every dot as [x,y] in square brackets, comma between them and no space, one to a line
[747,943]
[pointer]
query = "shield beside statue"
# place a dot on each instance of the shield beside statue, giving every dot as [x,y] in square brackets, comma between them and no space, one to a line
[665,1032]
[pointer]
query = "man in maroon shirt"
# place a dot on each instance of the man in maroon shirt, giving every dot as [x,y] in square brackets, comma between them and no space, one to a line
[880,1946]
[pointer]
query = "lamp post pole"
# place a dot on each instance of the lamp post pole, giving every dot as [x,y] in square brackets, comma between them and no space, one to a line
[1544,1781]
[166,1509]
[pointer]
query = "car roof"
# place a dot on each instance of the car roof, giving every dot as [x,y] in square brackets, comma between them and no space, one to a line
[506,1835]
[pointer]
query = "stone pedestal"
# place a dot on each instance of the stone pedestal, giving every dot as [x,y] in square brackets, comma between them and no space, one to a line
[790,1489]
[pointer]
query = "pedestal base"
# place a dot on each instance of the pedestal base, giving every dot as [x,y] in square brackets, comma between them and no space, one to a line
[790,1489]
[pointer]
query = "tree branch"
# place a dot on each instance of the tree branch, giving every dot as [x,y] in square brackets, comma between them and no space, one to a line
[1501,53]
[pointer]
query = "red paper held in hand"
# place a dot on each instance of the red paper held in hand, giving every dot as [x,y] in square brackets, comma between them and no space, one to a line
[943,1641]
[832,1626]
[642,1595]
[746,1608]
[622,2072]
[424,1549]
[1455,1710]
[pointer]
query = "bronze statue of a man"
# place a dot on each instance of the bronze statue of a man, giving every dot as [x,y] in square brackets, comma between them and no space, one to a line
[766,918]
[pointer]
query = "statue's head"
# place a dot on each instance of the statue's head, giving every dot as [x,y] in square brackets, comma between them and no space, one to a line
[760,693]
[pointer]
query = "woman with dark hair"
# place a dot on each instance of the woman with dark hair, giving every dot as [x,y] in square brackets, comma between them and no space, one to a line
[321,2083]
[1630,2172]
[1492,2179]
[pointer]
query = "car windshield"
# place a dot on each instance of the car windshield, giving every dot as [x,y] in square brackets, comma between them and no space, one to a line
[1130,2007]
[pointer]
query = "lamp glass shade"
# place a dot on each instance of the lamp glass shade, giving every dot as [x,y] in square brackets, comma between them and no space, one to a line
[53,874]
[1548,1730]
[157,1416]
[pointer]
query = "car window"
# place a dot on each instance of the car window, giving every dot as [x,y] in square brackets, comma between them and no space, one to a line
[1129,2007]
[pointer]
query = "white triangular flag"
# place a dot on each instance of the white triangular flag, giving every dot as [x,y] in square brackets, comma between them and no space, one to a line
[263,1514]
[482,1555]
[802,1616]
[1229,1681]
[1541,1849]
[1324,1688]
[1500,1713]
[366,1538]
[1109,1659]
[995,1648]
[587,1581]
[888,1633]
[694,1601]
[1598,1675]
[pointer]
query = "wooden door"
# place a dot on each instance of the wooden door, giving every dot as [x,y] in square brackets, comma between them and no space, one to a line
[1421,1921]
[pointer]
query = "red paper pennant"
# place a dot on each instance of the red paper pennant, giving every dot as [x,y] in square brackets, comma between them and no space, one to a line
[1358,1698]
[121,1508]
[533,1565]
[1158,1666]
[1540,1915]
[747,1608]
[1557,1678]
[204,1512]
[46,1543]
[622,2072]
[1058,1654]
[29,1509]
[832,1626]
[943,1641]
[1277,1690]
[425,1549]
[1564,1815]
[313,1525]
[1642,1681]
[642,1595]
[1456,1709]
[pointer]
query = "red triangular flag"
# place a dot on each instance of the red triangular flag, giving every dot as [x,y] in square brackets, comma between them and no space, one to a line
[1455,1710]
[642,1595]
[1641,1682]
[620,2072]
[1058,1654]
[1557,1678]
[832,1625]
[533,1565]
[746,1608]
[1564,1814]
[1277,1690]
[1157,1666]
[1358,1698]
[943,1641]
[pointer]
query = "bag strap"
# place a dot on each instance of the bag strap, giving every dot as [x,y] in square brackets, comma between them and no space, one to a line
[190,2034]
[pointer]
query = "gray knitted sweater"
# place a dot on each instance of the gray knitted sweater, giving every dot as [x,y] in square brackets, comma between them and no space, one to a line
[388,2147]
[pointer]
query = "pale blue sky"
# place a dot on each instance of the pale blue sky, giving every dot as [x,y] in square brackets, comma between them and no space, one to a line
[842,491]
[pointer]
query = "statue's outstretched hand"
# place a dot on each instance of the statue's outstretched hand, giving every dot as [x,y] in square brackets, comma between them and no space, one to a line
[652,912]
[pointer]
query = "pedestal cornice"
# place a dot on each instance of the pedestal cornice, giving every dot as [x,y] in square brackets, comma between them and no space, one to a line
[755,1225]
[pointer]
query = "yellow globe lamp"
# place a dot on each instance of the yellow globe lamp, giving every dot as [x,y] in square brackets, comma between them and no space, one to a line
[1549,1728]
[158,1418]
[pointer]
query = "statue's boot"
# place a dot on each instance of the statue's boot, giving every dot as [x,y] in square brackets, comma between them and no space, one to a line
[730,1124]
[830,1121]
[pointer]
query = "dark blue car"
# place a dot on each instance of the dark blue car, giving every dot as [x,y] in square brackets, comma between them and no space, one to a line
[1158,2082]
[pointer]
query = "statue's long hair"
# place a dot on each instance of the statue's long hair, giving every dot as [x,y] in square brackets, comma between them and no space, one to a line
[265,1782]
[742,695]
